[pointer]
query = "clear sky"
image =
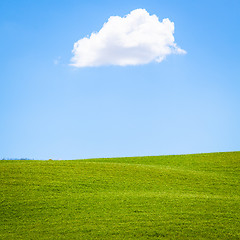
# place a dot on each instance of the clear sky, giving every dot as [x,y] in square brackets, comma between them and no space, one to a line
[188,103]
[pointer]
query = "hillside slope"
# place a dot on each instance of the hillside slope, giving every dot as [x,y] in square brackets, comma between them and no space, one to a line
[174,197]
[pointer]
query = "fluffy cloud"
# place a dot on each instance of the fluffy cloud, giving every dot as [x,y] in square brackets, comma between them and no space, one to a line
[138,38]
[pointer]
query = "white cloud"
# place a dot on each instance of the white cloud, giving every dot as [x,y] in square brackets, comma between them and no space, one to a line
[57,61]
[138,38]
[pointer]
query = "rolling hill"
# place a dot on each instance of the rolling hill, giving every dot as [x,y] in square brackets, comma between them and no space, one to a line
[195,196]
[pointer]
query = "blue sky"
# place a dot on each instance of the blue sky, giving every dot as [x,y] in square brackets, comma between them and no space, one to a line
[184,104]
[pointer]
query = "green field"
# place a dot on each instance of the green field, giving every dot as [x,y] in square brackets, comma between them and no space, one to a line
[172,197]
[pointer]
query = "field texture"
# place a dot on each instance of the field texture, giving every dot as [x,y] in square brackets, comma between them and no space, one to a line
[172,197]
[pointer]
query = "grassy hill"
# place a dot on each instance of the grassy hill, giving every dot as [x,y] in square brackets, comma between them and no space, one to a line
[173,197]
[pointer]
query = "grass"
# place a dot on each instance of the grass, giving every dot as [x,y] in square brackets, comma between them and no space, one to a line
[172,197]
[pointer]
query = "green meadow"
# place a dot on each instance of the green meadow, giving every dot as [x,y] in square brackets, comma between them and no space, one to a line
[163,197]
